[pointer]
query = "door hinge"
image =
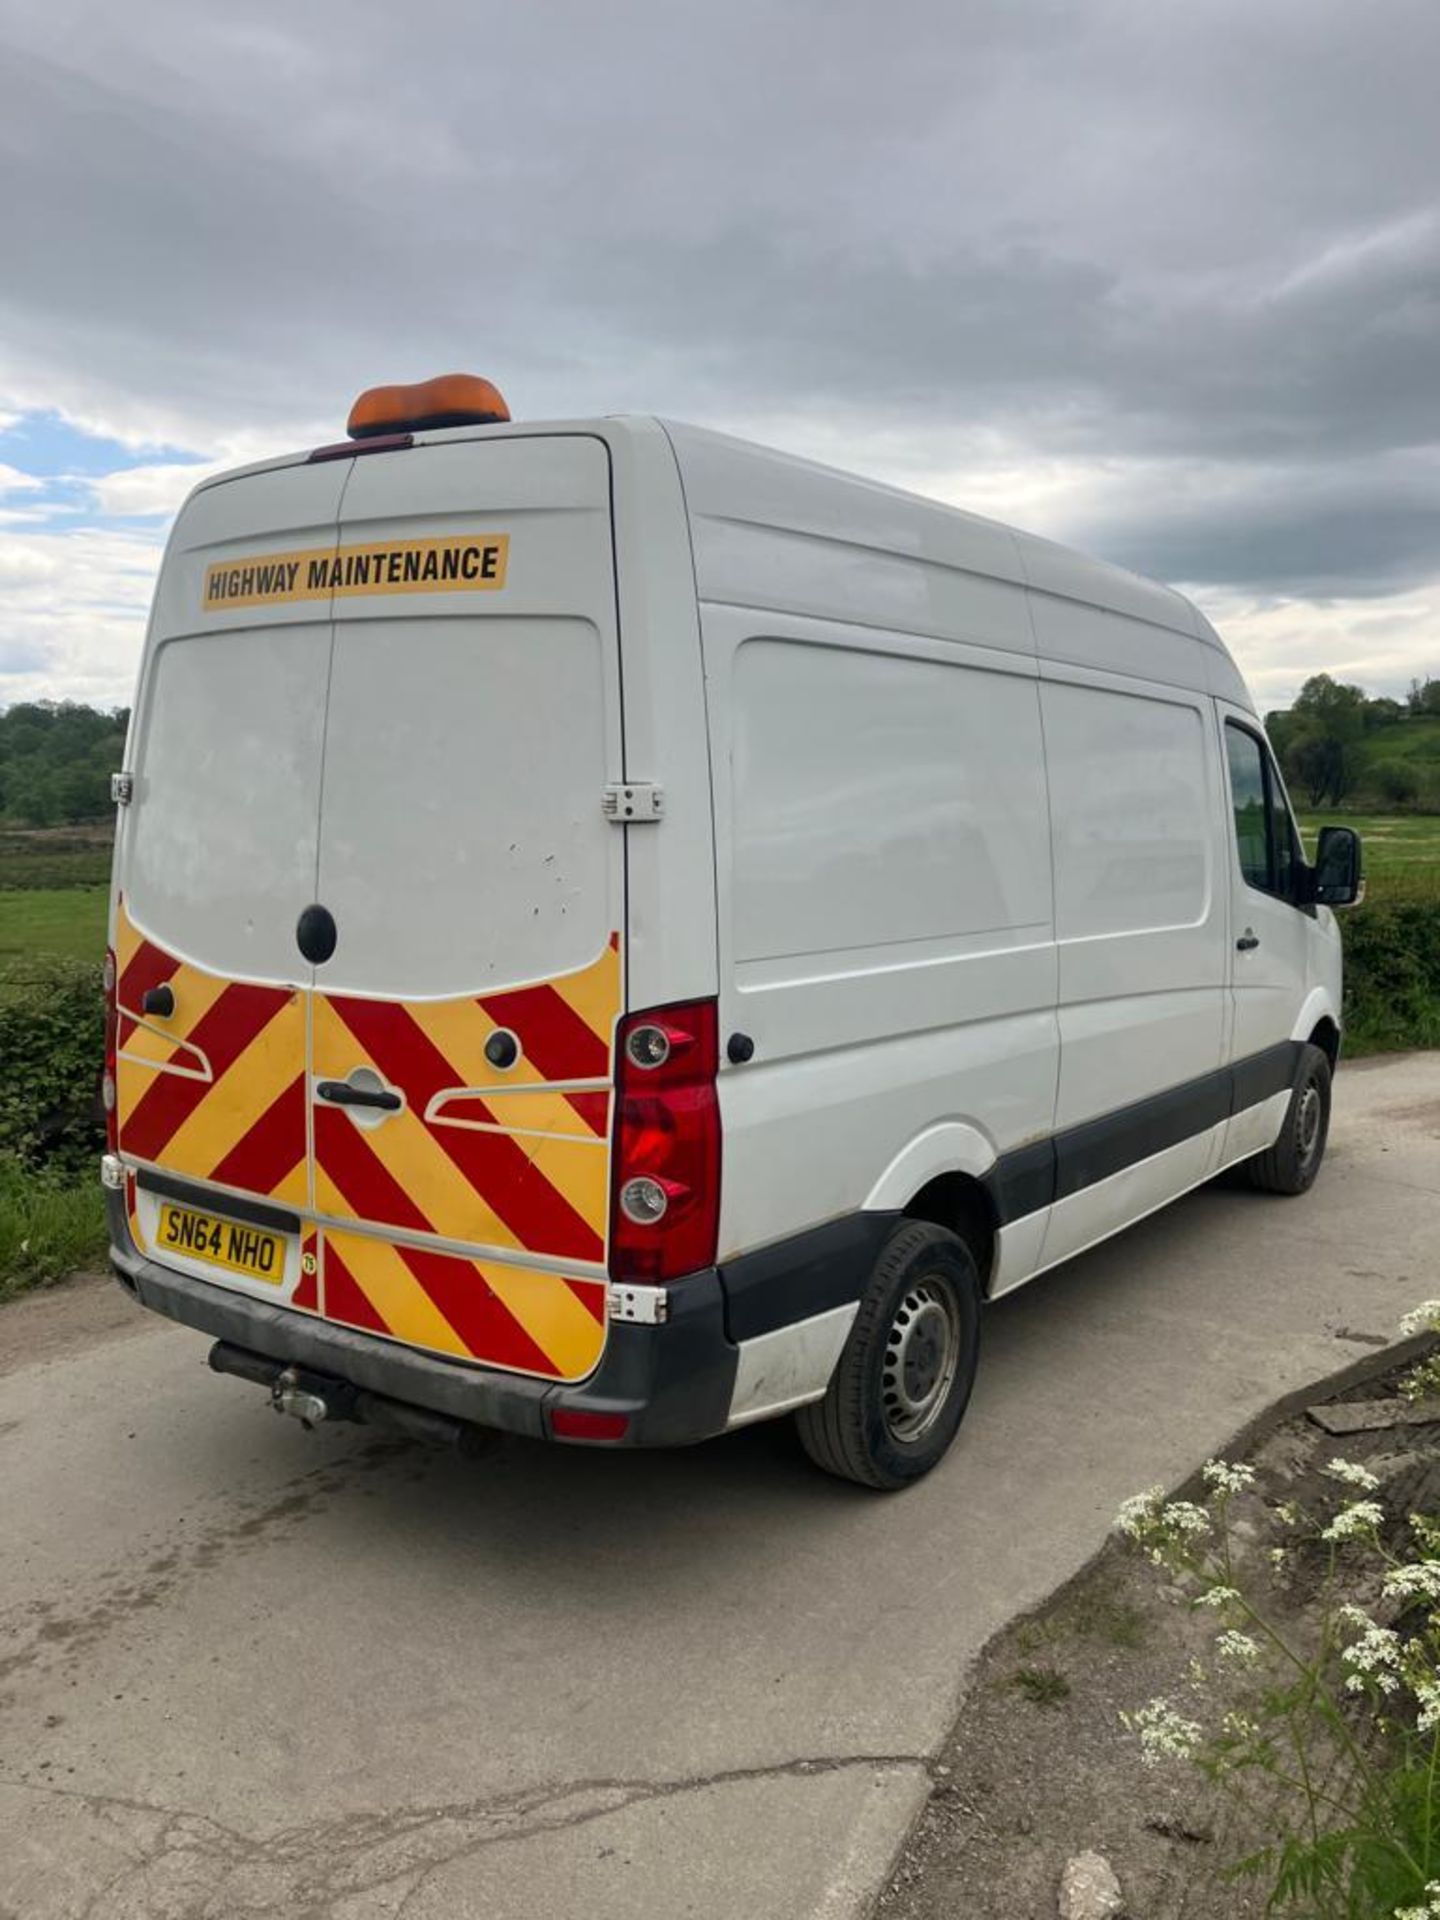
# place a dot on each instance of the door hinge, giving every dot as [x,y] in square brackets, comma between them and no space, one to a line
[122,789]
[641,1306]
[627,802]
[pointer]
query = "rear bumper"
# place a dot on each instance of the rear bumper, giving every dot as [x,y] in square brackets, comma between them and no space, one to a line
[673,1382]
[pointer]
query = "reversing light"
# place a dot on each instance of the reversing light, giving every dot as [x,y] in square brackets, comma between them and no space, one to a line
[649,1046]
[450,400]
[644,1200]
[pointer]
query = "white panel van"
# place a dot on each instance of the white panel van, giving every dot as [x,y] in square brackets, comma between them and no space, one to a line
[618,934]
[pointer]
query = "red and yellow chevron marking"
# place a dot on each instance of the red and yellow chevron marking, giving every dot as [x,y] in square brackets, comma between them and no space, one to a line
[512,1159]
[509,1317]
[503,1158]
[307,1288]
[217,1090]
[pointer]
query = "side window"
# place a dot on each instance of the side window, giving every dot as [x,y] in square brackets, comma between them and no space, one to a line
[1264,830]
[1282,834]
[1249,799]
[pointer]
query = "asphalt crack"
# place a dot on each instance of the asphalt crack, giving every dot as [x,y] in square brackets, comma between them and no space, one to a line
[193,1867]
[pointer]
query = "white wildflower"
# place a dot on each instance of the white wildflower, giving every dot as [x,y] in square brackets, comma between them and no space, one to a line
[1289,1514]
[1164,1734]
[1358,1682]
[1199,1677]
[1184,1517]
[1361,1517]
[1353,1474]
[1218,1597]
[1238,1647]
[1418,1581]
[1376,1649]
[1422,1319]
[1238,1726]
[1138,1512]
[1372,1659]
[1228,1477]
[1427,1698]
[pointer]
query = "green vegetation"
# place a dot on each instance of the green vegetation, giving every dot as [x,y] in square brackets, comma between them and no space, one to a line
[52,1040]
[52,1037]
[58,857]
[50,1224]
[1041,1686]
[1317,1717]
[1392,940]
[1336,745]
[38,923]
[1402,851]
[53,897]
[56,760]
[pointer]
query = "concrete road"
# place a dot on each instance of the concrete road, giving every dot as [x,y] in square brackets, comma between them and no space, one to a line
[245,1670]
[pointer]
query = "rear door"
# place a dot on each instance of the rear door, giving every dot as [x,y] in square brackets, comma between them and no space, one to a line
[462,1029]
[216,859]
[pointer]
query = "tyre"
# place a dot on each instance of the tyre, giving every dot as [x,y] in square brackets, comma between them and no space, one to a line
[1290,1166]
[904,1375]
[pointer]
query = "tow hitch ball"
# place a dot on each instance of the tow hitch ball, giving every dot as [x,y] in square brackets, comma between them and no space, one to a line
[288,1396]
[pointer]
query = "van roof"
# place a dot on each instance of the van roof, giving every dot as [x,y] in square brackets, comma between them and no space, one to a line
[735,483]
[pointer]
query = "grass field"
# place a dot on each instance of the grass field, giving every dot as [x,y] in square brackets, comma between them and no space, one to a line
[64,921]
[1402,850]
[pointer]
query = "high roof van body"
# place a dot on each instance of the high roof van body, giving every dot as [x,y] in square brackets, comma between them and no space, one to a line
[618,934]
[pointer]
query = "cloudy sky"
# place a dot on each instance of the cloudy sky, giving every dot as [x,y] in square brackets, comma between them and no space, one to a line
[1161,279]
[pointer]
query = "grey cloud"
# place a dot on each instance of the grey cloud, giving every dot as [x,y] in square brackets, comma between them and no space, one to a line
[1145,235]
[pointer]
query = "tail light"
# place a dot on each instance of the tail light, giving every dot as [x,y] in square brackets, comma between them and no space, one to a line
[665,1182]
[107,1078]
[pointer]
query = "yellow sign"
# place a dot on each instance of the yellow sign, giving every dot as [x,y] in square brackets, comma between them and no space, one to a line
[467,563]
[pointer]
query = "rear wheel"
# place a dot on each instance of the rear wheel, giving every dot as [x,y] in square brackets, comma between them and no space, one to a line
[1290,1166]
[903,1379]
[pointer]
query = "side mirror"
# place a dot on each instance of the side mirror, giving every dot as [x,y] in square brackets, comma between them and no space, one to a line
[1338,878]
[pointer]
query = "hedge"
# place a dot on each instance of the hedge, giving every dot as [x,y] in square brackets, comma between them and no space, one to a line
[1392,975]
[52,1045]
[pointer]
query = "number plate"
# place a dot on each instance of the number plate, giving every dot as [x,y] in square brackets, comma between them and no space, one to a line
[223,1243]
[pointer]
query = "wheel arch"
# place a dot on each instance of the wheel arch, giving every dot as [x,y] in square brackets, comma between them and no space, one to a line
[940,1177]
[1319,1024]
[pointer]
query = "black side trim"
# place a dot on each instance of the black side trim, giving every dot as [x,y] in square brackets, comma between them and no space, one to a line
[1022,1181]
[1034,1176]
[805,1274]
[1258,1075]
[828,1266]
[226,1204]
[1097,1148]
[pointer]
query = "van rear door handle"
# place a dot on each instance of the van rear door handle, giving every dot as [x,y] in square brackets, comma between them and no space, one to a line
[1247,940]
[341,1094]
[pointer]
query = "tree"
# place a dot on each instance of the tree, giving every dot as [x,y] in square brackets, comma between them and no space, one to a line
[56,760]
[1324,729]
[1397,783]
